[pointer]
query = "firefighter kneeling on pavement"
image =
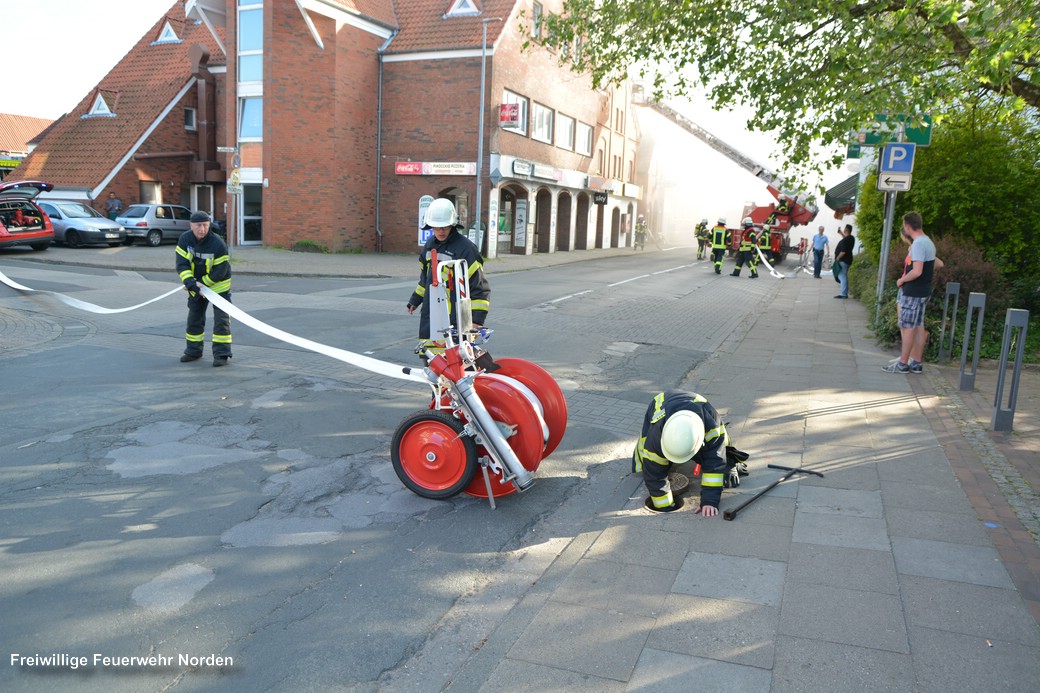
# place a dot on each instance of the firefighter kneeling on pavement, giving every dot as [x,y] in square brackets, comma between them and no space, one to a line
[679,427]
[746,252]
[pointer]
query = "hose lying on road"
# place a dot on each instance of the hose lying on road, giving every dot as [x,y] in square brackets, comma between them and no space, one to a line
[365,362]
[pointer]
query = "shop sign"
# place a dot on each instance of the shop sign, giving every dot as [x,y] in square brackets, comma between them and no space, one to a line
[435,168]
[408,168]
[521,167]
[547,172]
[604,184]
[599,198]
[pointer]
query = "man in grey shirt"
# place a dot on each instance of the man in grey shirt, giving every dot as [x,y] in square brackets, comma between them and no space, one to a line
[915,288]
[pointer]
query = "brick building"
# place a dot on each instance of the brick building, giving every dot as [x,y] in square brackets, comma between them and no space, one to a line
[333,122]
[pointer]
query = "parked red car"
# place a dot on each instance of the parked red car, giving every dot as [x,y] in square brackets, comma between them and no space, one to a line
[22,222]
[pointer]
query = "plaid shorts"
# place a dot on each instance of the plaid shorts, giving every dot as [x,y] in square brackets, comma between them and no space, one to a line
[911,310]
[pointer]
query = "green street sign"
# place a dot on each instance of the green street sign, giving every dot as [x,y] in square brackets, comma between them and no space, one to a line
[885,129]
[854,151]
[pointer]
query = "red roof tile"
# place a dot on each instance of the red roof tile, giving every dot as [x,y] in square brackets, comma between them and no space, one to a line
[82,152]
[381,11]
[424,28]
[16,131]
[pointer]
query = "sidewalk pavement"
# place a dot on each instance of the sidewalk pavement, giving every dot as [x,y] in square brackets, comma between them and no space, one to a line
[912,565]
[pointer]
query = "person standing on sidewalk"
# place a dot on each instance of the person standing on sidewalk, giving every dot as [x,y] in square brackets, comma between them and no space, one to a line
[843,260]
[915,288]
[113,206]
[202,257]
[819,247]
[678,427]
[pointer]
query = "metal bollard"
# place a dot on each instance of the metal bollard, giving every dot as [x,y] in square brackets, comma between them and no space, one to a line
[946,349]
[974,301]
[1004,417]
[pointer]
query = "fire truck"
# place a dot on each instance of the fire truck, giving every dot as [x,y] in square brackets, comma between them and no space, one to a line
[789,209]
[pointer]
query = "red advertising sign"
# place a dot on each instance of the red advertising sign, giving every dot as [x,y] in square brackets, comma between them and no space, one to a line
[509,115]
[408,168]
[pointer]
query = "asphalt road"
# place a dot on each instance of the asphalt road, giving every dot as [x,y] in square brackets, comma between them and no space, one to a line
[250,516]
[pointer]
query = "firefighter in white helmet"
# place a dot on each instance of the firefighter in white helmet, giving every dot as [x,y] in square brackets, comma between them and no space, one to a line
[678,427]
[445,238]
[720,238]
[746,252]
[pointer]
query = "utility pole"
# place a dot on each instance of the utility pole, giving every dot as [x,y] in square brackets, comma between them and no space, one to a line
[480,129]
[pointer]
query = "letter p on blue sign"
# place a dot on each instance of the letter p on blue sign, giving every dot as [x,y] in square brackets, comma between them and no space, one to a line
[898,157]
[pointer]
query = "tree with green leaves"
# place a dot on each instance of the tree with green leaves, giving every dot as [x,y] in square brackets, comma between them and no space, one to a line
[812,71]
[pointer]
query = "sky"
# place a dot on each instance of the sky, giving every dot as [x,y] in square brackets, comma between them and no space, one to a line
[86,38]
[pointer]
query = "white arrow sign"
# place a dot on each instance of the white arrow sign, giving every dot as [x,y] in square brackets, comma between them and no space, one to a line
[893,182]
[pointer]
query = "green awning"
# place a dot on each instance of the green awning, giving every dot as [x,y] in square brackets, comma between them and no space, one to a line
[842,197]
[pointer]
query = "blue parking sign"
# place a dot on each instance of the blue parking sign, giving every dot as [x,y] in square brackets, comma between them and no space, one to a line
[898,157]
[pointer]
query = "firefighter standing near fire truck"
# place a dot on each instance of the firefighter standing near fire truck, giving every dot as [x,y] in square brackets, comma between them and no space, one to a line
[703,239]
[720,238]
[764,247]
[450,245]
[746,251]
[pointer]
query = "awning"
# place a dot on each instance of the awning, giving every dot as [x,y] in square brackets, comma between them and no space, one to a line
[842,197]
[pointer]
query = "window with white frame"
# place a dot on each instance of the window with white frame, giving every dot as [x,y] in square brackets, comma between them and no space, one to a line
[510,97]
[250,41]
[565,131]
[536,21]
[541,123]
[190,119]
[251,119]
[583,140]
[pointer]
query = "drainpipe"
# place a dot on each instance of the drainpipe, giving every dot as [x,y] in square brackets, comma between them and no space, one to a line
[379,144]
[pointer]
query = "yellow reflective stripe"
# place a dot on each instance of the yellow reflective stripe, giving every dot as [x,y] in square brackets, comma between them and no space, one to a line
[221,260]
[473,269]
[193,337]
[714,433]
[185,274]
[221,339]
[183,253]
[662,501]
[711,480]
[420,290]
[654,457]
[219,287]
[480,304]
[658,408]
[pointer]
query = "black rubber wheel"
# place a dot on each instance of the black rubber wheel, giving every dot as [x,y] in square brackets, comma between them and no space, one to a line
[40,246]
[154,238]
[72,239]
[432,456]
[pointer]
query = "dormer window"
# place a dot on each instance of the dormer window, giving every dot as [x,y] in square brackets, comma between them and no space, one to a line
[100,108]
[167,35]
[463,8]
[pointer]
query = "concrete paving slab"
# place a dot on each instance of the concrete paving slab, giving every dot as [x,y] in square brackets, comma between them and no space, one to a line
[747,536]
[668,672]
[837,501]
[851,617]
[630,543]
[958,528]
[945,662]
[630,589]
[513,676]
[987,612]
[840,530]
[945,498]
[816,666]
[852,470]
[597,642]
[837,566]
[732,578]
[977,565]
[729,631]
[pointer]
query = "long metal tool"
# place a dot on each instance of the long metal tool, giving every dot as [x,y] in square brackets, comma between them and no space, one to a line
[791,471]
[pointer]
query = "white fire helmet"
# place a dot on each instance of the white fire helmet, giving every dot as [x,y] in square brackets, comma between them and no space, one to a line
[722,220]
[748,222]
[682,436]
[704,220]
[440,213]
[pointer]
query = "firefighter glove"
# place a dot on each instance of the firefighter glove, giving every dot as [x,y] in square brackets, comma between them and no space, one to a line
[732,478]
[191,285]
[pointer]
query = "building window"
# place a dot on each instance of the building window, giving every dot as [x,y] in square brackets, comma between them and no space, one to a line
[541,123]
[463,8]
[510,97]
[167,35]
[150,192]
[251,119]
[250,43]
[189,119]
[565,131]
[599,162]
[583,140]
[536,21]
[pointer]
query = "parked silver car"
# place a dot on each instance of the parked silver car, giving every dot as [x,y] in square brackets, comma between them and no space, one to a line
[154,223]
[76,224]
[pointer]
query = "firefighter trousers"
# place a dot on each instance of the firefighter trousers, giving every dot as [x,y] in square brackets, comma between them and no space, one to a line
[196,329]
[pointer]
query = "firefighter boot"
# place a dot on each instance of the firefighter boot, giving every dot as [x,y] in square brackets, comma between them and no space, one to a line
[754,275]
[735,273]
